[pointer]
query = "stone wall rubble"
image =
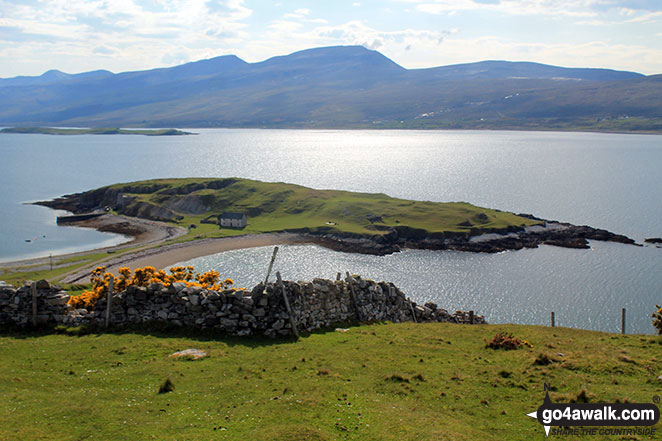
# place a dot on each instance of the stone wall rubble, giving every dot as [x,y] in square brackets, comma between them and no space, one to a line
[261,311]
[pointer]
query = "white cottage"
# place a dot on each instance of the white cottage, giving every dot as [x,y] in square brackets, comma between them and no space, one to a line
[233,220]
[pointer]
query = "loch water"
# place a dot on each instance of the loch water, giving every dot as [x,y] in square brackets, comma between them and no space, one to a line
[610,181]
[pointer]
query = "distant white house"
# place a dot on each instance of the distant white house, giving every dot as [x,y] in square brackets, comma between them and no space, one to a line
[233,220]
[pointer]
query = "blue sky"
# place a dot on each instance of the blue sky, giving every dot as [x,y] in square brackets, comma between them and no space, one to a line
[122,35]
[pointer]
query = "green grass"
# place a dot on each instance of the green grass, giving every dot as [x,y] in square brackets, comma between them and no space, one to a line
[376,382]
[278,206]
[93,131]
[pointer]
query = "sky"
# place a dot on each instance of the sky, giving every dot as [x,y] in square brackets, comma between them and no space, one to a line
[125,35]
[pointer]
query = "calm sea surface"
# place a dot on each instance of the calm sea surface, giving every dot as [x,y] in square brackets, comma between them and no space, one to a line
[606,181]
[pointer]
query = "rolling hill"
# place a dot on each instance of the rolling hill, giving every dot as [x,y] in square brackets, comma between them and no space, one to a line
[339,87]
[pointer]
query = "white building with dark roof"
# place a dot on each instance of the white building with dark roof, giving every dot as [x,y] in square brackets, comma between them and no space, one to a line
[233,220]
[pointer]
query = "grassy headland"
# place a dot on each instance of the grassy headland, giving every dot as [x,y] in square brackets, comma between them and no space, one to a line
[376,382]
[94,131]
[273,207]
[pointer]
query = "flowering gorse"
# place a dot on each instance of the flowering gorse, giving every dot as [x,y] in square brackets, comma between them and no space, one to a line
[506,341]
[657,319]
[143,277]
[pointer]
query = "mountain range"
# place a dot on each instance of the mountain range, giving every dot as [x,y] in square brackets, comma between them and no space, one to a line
[338,87]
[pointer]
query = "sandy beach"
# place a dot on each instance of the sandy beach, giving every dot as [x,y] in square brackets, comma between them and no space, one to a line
[166,256]
[141,231]
[150,237]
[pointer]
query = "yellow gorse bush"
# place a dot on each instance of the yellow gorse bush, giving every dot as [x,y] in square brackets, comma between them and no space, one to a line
[657,319]
[507,341]
[145,276]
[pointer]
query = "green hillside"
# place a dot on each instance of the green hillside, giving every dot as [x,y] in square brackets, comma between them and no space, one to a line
[339,87]
[278,206]
[377,382]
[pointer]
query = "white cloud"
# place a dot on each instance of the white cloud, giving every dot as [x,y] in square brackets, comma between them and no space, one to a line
[626,12]
[355,32]
[78,35]
[284,26]
[596,22]
[590,54]
[140,34]
[298,14]
[574,8]
[651,17]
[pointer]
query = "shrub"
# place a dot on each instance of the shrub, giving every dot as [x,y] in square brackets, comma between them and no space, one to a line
[397,378]
[166,387]
[143,277]
[506,341]
[657,319]
[543,360]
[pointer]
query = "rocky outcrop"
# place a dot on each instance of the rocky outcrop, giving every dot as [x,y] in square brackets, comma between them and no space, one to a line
[116,197]
[261,311]
[488,241]
[188,204]
[145,210]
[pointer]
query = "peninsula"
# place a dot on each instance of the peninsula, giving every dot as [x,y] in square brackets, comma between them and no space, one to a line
[94,131]
[287,213]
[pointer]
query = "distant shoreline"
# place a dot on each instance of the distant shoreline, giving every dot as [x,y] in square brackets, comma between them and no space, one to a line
[161,132]
[92,131]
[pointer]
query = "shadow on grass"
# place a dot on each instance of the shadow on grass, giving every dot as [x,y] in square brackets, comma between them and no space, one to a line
[166,330]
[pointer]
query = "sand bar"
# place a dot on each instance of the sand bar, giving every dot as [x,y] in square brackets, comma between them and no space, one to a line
[166,256]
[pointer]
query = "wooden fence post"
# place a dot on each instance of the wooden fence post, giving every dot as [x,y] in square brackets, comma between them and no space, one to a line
[552,319]
[33,289]
[471,317]
[287,304]
[109,300]
[413,313]
[623,321]
[271,265]
[353,294]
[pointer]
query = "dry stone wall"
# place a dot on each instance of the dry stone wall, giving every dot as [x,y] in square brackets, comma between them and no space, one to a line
[261,311]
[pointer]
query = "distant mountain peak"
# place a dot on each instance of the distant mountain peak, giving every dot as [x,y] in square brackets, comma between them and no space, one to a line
[52,72]
[334,86]
[501,69]
[338,57]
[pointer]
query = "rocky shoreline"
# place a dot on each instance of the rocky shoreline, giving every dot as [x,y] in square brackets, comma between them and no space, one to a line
[514,238]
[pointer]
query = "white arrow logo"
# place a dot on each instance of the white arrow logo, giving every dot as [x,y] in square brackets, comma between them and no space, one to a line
[535,415]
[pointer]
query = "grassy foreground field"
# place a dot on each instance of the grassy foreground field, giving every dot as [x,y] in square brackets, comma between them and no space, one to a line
[375,382]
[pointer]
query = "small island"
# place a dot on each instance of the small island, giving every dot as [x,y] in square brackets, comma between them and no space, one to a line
[94,131]
[368,223]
